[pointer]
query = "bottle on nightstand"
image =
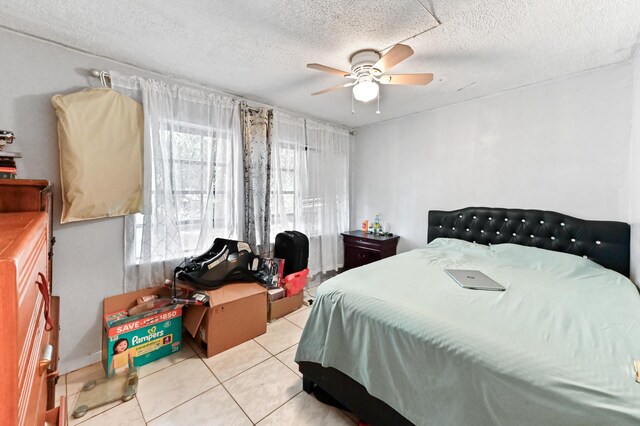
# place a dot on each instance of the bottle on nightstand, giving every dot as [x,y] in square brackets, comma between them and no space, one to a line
[376,224]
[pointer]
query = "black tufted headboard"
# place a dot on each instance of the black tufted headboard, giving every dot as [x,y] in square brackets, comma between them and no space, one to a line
[604,242]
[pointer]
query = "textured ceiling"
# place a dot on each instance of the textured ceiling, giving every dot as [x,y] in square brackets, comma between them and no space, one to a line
[259,49]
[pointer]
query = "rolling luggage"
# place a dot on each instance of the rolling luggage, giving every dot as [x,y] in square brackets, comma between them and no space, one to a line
[293,247]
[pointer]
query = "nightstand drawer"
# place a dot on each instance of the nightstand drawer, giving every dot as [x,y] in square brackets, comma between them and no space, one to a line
[354,257]
[362,242]
[361,249]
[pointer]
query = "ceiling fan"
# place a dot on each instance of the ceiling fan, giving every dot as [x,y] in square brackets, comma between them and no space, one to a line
[368,69]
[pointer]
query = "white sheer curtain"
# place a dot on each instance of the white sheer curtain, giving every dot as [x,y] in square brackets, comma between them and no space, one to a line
[310,186]
[192,178]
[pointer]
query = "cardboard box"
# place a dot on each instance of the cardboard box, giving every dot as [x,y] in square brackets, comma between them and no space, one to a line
[149,336]
[281,307]
[275,293]
[236,313]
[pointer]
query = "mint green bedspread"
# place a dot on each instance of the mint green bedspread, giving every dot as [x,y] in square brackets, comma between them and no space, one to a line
[556,348]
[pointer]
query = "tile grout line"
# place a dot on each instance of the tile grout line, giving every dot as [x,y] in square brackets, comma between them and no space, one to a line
[140,408]
[262,362]
[298,393]
[291,322]
[288,347]
[209,368]
[195,396]
[243,371]
[162,369]
[168,366]
[105,411]
[182,403]
[290,369]
[237,403]
[212,372]
[278,407]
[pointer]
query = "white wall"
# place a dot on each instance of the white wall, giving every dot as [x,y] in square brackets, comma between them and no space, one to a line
[635,173]
[88,256]
[561,145]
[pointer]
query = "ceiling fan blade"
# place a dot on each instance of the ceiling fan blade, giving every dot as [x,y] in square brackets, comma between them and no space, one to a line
[325,68]
[406,79]
[333,88]
[393,57]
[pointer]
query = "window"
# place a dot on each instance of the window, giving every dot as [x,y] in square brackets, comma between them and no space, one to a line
[310,186]
[191,150]
[285,209]
[303,213]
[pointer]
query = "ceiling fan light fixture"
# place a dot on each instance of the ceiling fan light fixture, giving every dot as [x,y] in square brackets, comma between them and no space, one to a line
[369,69]
[365,91]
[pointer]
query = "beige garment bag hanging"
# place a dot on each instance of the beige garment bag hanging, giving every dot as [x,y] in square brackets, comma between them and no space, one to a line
[100,136]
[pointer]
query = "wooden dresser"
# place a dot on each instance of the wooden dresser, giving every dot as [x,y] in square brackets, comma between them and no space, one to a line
[361,248]
[29,315]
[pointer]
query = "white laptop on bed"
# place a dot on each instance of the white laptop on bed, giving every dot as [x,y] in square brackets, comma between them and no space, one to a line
[475,280]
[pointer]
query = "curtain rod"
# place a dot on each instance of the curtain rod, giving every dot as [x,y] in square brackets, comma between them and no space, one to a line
[105,75]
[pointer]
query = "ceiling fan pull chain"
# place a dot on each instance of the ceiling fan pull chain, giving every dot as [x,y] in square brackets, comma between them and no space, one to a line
[378,110]
[353,109]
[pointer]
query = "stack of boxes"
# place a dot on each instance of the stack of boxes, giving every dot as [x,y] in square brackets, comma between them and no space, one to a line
[230,315]
[139,339]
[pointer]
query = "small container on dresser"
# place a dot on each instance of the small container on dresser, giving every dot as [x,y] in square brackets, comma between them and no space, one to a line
[361,248]
[29,314]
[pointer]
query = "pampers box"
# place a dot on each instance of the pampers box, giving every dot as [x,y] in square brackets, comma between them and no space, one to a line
[140,339]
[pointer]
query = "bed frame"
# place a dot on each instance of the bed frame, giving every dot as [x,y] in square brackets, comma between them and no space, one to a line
[604,242]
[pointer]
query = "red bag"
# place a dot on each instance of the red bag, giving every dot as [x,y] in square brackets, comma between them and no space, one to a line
[294,283]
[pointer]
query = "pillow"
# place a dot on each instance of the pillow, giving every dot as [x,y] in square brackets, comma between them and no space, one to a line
[100,138]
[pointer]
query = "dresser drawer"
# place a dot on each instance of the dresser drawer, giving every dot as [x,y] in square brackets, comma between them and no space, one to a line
[27,356]
[57,416]
[31,305]
[32,387]
[30,264]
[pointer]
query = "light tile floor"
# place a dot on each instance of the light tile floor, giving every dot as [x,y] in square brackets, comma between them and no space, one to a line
[256,382]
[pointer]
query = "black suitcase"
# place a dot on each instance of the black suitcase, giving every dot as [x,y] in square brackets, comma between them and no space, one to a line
[293,247]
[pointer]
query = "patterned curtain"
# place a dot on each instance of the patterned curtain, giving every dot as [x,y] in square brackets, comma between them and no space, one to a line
[256,138]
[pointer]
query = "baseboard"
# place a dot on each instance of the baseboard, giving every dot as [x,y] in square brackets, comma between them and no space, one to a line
[67,365]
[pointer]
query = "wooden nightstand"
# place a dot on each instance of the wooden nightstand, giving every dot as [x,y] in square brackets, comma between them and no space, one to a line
[361,248]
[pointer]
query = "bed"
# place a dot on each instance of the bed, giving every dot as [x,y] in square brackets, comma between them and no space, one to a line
[398,343]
